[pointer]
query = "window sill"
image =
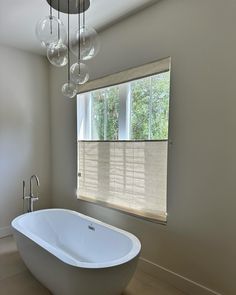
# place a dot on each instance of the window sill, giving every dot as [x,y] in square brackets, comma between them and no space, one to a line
[160,218]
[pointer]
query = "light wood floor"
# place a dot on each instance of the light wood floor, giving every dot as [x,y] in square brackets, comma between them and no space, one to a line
[15,279]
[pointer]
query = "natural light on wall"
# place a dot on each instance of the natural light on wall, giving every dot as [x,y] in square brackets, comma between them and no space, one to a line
[123,123]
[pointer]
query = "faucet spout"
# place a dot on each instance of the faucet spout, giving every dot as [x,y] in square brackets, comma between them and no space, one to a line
[37,182]
[32,197]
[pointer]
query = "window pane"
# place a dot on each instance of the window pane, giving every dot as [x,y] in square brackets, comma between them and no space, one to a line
[112,113]
[160,106]
[150,107]
[140,95]
[98,110]
[105,112]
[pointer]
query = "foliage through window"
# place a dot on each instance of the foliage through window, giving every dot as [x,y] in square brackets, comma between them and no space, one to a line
[146,109]
[150,107]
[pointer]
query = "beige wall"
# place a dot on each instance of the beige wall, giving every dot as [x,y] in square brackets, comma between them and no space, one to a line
[24,129]
[199,241]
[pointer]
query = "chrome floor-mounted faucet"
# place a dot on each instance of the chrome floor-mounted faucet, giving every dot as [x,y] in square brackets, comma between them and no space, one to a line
[31,198]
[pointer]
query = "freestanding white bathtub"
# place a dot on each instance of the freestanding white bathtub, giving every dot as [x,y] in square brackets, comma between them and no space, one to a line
[73,254]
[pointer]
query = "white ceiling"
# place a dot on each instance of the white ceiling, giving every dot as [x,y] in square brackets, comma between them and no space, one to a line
[19,17]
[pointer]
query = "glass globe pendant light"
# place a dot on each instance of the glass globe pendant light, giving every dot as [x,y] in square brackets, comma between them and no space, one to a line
[79,71]
[90,43]
[88,39]
[47,30]
[69,89]
[57,52]
[53,35]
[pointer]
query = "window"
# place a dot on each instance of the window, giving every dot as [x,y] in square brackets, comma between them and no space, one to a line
[123,142]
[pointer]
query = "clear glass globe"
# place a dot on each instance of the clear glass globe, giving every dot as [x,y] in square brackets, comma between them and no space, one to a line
[79,73]
[89,43]
[50,30]
[69,90]
[57,54]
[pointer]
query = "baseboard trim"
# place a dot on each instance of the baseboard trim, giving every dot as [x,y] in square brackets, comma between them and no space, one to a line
[5,231]
[180,282]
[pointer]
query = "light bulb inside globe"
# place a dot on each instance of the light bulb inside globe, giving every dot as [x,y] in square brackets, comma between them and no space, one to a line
[50,30]
[79,73]
[57,54]
[89,43]
[69,90]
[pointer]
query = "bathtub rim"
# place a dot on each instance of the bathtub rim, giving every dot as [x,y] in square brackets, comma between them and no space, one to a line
[67,258]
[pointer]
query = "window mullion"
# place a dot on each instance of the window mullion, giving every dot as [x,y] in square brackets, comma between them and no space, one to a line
[125,110]
[84,111]
[128,110]
[89,116]
[150,110]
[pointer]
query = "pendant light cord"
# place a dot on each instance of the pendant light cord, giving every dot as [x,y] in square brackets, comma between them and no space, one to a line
[50,12]
[79,41]
[83,13]
[58,16]
[50,7]
[83,22]
[68,41]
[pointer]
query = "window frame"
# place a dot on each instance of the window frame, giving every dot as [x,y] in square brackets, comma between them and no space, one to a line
[123,77]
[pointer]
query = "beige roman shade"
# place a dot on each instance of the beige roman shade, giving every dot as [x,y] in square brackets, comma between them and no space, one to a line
[128,176]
